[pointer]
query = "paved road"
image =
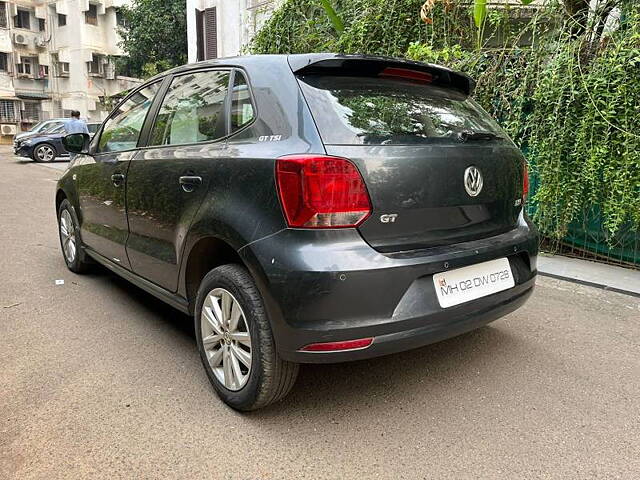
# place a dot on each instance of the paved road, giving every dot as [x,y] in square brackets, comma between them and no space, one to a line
[99,380]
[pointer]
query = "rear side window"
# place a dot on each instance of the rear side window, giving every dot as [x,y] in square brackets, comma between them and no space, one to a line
[382,111]
[192,110]
[122,130]
[242,111]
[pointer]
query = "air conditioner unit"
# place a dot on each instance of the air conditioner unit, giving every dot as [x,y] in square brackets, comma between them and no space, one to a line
[20,39]
[7,129]
[40,42]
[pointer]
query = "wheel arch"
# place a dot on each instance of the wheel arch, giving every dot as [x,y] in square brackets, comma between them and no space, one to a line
[60,197]
[206,254]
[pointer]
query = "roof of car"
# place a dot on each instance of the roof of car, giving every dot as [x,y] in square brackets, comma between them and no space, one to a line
[315,61]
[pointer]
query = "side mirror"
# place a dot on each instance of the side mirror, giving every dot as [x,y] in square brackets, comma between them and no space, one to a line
[76,142]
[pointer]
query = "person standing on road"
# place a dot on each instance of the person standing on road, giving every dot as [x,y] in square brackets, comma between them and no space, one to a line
[75,125]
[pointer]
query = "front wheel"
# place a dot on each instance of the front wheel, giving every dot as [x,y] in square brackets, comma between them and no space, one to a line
[236,343]
[44,153]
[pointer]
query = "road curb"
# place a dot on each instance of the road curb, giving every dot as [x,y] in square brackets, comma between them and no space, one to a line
[587,283]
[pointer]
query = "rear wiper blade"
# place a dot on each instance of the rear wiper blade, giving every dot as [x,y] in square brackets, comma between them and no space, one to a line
[467,135]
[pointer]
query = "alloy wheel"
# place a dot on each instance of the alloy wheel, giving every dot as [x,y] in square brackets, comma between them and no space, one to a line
[45,153]
[67,236]
[226,339]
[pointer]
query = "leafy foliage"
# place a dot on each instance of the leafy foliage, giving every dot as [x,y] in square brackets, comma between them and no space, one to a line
[566,91]
[154,38]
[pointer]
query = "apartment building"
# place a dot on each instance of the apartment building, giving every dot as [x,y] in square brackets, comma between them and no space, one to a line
[57,56]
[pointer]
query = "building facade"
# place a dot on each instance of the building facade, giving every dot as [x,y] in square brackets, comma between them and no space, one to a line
[57,56]
[223,28]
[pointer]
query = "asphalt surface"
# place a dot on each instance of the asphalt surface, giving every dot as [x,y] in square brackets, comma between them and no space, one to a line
[100,380]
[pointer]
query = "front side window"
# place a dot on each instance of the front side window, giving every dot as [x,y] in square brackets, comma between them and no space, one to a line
[242,111]
[122,130]
[193,109]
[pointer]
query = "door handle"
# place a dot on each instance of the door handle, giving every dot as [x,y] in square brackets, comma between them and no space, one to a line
[117,179]
[190,182]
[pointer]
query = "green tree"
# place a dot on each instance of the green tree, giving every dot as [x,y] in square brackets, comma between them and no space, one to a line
[154,36]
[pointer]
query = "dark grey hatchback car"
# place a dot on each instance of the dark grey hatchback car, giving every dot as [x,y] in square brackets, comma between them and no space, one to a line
[304,209]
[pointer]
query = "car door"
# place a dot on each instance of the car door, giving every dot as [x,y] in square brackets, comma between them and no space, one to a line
[168,179]
[101,177]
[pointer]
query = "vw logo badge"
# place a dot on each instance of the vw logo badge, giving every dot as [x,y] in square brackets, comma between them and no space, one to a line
[473,181]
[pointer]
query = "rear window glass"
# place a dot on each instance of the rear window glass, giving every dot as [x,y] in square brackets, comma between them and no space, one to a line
[379,111]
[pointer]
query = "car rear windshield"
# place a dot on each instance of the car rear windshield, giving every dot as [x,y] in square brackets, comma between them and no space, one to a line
[383,111]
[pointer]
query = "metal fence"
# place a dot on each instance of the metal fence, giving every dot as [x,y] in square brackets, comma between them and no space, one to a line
[587,238]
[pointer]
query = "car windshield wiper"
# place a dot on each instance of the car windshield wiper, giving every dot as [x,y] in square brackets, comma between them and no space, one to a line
[466,135]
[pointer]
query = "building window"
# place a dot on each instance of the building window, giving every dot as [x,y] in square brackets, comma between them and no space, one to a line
[7,111]
[4,62]
[94,67]
[62,20]
[25,66]
[121,20]
[21,20]
[60,69]
[91,15]
[3,15]
[41,25]
[207,34]
[44,71]
[31,112]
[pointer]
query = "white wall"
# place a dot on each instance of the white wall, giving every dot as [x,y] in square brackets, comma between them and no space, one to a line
[238,20]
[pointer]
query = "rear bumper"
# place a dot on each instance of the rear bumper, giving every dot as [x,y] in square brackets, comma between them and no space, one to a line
[326,286]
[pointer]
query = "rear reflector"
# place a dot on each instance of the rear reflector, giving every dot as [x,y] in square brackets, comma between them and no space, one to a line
[339,346]
[525,181]
[318,191]
[407,74]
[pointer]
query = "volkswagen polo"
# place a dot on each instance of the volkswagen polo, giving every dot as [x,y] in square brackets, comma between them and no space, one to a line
[304,209]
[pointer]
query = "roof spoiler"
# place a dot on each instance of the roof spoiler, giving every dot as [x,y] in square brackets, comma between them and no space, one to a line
[368,65]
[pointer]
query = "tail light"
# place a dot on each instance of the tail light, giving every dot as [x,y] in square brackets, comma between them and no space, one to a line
[318,191]
[525,182]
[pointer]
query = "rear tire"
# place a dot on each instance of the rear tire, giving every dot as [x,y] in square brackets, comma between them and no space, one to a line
[268,378]
[70,242]
[44,153]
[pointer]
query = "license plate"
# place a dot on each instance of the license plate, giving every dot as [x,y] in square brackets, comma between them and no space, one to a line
[475,281]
